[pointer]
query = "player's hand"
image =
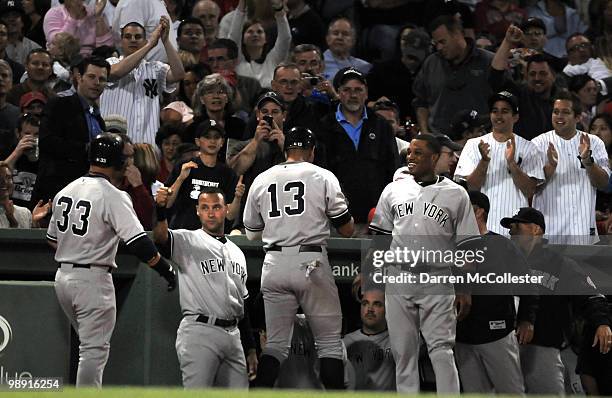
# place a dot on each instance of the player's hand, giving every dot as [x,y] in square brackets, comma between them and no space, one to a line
[510,150]
[514,35]
[252,363]
[133,175]
[485,150]
[262,132]
[585,146]
[40,211]
[603,336]
[161,199]
[552,155]
[240,188]
[165,23]
[524,332]
[186,169]
[25,143]
[463,304]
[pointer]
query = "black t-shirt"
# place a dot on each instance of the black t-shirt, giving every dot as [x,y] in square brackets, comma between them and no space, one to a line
[184,207]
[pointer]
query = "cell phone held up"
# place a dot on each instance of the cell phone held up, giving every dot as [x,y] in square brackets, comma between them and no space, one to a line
[269,120]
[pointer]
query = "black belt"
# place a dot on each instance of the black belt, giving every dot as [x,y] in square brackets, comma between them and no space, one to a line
[88,266]
[303,248]
[224,323]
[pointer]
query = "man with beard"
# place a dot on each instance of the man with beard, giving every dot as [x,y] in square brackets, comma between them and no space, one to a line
[360,146]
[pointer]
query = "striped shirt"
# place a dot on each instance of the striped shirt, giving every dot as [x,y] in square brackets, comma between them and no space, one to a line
[136,96]
[568,198]
[504,196]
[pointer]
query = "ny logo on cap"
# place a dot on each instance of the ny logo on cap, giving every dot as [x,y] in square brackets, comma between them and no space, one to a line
[10,3]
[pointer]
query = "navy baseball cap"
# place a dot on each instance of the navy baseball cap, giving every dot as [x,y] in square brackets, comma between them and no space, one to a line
[506,96]
[204,127]
[346,74]
[7,6]
[526,215]
[270,96]
[480,199]
[467,119]
[445,140]
[533,22]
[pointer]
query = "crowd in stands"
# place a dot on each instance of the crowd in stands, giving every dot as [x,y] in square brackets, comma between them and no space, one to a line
[518,93]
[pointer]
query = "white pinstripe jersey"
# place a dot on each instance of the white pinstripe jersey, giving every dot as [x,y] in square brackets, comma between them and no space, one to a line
[567,201]
[504,196]
[136,96]
[292,203]
[89,217]
[212,274]
[440,212]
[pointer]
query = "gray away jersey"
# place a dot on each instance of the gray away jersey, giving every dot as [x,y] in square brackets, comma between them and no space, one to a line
[438,213]
[371,359]
[89,218]
[212,274]
[292,203]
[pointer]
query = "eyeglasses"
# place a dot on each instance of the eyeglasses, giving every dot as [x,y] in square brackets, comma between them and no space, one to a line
[581,46]
[290,83]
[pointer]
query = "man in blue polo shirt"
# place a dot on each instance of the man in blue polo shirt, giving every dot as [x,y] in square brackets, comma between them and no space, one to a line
[360,145]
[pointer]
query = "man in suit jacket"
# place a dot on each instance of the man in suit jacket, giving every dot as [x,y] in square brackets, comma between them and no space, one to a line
[68,125]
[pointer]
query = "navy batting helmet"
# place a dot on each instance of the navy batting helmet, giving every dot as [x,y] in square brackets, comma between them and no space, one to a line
[299,138]
[106,150]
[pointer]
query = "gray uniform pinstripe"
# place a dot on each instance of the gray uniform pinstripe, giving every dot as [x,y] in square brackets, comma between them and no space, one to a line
[212,281]
[90,216]
[499,186]
[409,210]
[291,204]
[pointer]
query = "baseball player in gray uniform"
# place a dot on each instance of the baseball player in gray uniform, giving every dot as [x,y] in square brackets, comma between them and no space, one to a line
[90,216]
[420,207]
[212,277]
[371,365]
[290,206]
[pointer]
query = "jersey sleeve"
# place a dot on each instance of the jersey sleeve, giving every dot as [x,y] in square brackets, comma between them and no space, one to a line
[533,164]
[599,153]
[336,207]
[470,156]
[252,219]
[112,61]
[161,71]
[466,220]
[176,245]
[121,216]
[382,222]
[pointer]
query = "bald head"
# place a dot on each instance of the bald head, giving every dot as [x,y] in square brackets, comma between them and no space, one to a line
[208,12]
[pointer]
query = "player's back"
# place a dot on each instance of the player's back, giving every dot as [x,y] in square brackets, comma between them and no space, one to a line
[89,218]
[294,202]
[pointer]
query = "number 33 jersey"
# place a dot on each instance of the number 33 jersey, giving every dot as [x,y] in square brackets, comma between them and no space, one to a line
[90,216]
[293,204]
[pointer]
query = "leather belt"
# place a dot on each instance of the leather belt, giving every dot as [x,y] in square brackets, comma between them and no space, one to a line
[224,323]
[303,248]
[88,266]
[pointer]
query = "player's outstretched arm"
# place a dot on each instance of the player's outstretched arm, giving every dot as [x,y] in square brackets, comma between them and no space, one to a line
[348,229]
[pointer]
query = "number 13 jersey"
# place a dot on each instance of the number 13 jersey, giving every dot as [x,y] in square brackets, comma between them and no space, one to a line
[293,204]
